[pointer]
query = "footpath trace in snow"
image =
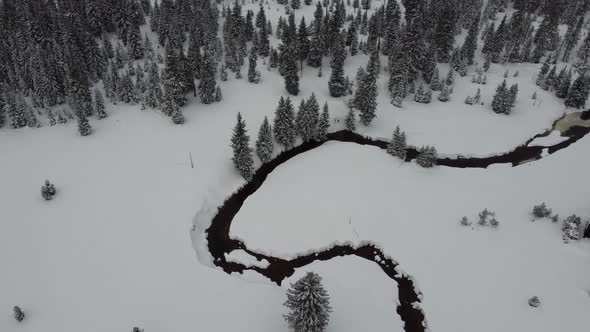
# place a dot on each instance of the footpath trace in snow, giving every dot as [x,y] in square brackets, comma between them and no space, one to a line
[220,244]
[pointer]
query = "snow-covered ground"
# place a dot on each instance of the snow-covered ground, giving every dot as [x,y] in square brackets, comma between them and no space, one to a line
[113,249]
[472,278]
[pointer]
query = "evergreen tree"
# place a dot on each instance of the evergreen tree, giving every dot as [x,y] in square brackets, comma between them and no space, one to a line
[444,37]
[308,304]
[284,123]
[309,119]
[541,76]
[264,144]
[314,58]
[253,74]
[84,127]
[99,104]
[337,84]
[470,44]
[125,91]
[397,146]
[512,94]
[577,94]
[501,100]
[207,83]
[445,94]
[323,124]
[177,116]
[427,157]
[153,92]
[242,153]
[564,86]
[365,98]
[291,74]
[350,121]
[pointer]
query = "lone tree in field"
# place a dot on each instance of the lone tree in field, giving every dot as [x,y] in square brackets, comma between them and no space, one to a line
[240,143]
[308,304]
[264,144]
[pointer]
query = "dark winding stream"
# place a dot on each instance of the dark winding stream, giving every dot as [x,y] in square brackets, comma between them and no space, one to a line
[220,243]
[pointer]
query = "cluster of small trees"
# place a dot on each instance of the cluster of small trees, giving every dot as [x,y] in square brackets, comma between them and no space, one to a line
[307,123]
[571,227]
[485,218]
[575,94]
[397,147]
[505,98]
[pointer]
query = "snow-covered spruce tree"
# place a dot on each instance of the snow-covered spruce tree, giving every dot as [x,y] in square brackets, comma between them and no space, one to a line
[397,146]
[570,229]
[501,100]
[253,74]
[136,329]
[264,144]
[365,98]
[218,95]
[419,95]
[125,91]
[48,190]
[308,304]
[84,127]
[470,44]
[207,82]
[290,73]
[177,116]
[577,94]
[427,157]
[99,104]
[337,83]
[512,94]
[542,72]
[240,143]
[350,121]
[284,123]
[16,113]
[445,94]
[564,85]
[18,314]
[310,118]
[323,124]
[153,95]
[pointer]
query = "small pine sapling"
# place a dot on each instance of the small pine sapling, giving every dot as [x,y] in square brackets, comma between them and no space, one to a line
[465,221]
[48,190]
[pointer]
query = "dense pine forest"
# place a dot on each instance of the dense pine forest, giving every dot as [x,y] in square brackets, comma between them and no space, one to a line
[69,52]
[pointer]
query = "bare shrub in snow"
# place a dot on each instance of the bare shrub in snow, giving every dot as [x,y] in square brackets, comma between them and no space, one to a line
[18,314]
[534,302]
[570,229]
[541,211]
[555,218]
